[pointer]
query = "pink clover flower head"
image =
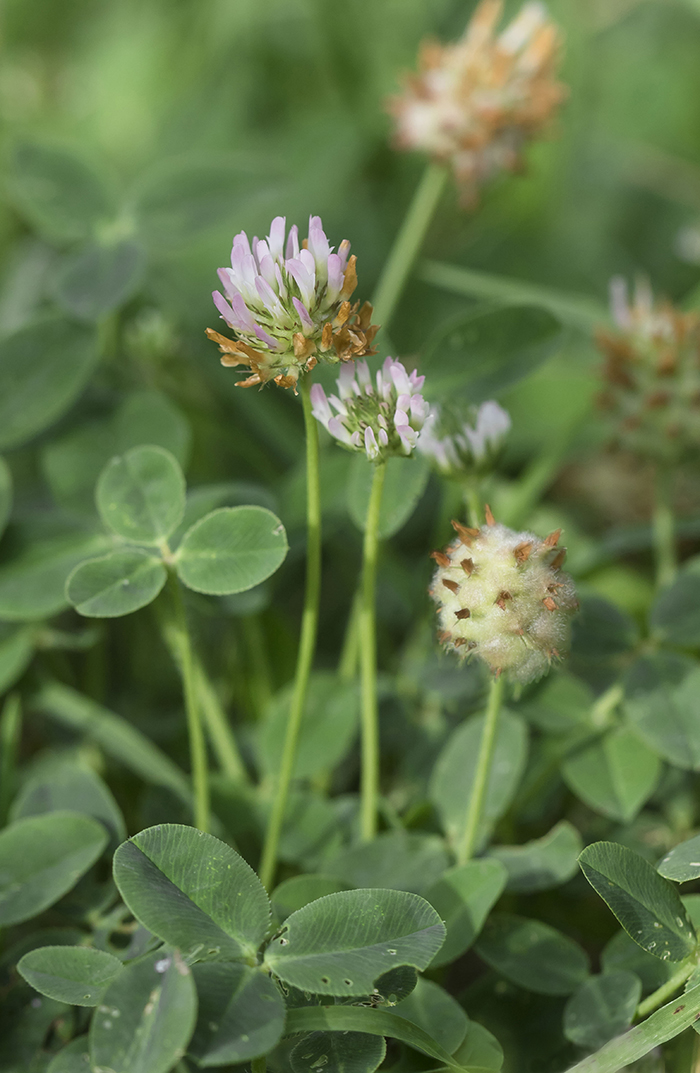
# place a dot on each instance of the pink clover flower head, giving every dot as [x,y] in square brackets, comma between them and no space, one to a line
[457,446]
[288,304]
[374,415]
[475,103]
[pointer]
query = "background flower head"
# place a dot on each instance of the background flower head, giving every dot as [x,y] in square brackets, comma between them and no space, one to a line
[288,304]
[456,445]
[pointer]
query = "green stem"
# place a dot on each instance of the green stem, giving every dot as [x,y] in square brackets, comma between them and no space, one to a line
[408,242]
[180,644]
[347,665]
[260,677]
[307,643]
[10,732]
[472,498]
[218,727]
[666,991]
[466,847]
[663,528]
[369,784]
[662,1026]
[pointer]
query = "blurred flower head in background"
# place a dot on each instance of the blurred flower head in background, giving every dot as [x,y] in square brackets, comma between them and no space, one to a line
[474,104]
[288,303]
[382,418]
[503,597]
[652,374]
[468,447]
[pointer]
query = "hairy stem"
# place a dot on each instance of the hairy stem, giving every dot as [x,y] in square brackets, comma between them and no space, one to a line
[180,643]
[475,808]
[408,242]
[663,529]
[307,643]
[369,787]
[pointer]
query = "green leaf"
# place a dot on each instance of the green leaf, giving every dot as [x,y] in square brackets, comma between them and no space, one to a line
[463,897]
[453,775]
[141,495]
[479,354]
[294,893]
[393,986]
[151,417]
[115,735]
[601,1008]
[435,1011]
[78,975]
[365,1019]
[116,584]
[400,860]
[663,1025]
[340,944]
[404,484]
[648,906]
[41,858]
[59,191]
[329,725]
[532,955]
[675,615]
[193,891]
[481,1052]
[338,1052]
[146,1017]
[543,863]
[5,494]
[682,863]
[621,952]
[662,703]
[615,774]
[241,1014]
[73,1058]
[32,586]
[98,278]
[16,650]
[43,368]
[231,550]
[59,784]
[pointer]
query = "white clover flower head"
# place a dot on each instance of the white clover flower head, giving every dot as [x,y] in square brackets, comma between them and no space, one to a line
[502,597]
[382,417]
[456,446]
[288,304]
[475,103]
[652,375]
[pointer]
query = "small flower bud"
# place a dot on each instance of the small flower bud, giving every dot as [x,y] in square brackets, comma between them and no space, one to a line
[503,597]
[457,447]
[289,305]
[652,369]
[477,102]
[383,418]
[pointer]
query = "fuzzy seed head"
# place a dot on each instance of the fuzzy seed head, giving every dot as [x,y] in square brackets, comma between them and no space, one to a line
[652,374]
[511,605]
[476,103]
[288,304]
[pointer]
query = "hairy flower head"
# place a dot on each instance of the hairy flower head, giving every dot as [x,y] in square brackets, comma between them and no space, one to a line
[474,104]
[288,304]
[503,597]
[652,373]
[458,446]
[381,416]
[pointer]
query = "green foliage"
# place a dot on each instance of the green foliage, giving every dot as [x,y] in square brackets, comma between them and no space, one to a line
[146,1016]
[99,278]
[544,862]
[241,1014]
[463,896]
[601,1008]
[338,1052]
[434,1010]
[615,774]
[340,944]
[533,955]
[43,857]
[141,495]
[404,484]
[193,891]
[115,584]
[648,906]
[680,864]
[231,550]
[74,974]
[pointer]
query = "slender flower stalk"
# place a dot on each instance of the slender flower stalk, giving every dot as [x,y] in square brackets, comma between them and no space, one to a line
[178,639]
[307,644]
[218,728]
[475,808]
[369,788]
